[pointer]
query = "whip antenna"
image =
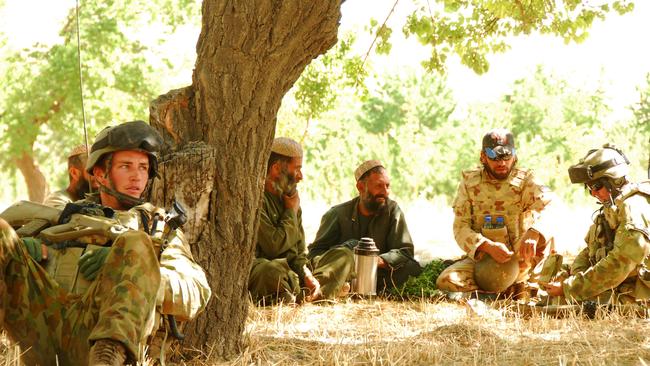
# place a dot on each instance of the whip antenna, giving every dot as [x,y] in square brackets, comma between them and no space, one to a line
[81,86]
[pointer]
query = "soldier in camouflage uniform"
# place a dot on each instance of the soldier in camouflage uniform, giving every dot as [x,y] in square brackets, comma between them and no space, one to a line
[614,267]
[78,178]
[281,268]
[371,214]
[499,212]
[127,282]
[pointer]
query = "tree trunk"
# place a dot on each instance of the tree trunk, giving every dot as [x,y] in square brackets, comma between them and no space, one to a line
[218,133]
[37,187]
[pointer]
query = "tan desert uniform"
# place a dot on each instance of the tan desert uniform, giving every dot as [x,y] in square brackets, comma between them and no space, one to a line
[519,199]
[625,267]
[58,199]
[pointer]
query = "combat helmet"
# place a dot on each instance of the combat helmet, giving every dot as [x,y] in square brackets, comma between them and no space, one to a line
[492,276]
[607,164]
[134,135]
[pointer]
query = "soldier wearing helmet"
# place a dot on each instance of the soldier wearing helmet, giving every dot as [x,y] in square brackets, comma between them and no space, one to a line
[499,222]
[101,294]
[614,267]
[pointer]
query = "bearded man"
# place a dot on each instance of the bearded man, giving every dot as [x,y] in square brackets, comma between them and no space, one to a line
[372,214]
[79,180]
[281,270]
[500,212]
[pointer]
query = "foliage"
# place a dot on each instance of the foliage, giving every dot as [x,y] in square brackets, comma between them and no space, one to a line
[471,29]
[41,105]
[424,285]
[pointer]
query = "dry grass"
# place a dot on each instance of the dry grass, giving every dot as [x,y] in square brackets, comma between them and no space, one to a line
[425,333]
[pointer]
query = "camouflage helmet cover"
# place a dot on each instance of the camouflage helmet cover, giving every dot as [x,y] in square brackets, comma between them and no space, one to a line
[493,276]
[134,135]
[606,162]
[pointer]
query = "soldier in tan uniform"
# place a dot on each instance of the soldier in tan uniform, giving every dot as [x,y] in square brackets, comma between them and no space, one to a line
[615,265]
[78,178]
[499,217]
[95,297]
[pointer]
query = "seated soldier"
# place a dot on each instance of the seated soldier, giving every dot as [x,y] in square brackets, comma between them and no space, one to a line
[135,269]
[372,214]
[615,265]
[499,211]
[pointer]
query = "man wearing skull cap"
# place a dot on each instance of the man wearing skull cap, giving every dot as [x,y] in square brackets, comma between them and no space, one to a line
[79,180]
[281,269]
[372,214]
[499,218]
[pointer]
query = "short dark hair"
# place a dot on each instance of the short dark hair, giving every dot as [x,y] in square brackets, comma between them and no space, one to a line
[275,157]
[77,161]
[377,169]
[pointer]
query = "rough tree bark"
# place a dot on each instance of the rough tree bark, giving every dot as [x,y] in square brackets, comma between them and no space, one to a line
[37,187]
[218,133]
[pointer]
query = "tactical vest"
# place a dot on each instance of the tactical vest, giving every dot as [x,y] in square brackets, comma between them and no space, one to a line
[499,199]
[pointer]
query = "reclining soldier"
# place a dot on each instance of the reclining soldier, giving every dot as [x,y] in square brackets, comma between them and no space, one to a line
[499,223]
[615,266]
[103,294]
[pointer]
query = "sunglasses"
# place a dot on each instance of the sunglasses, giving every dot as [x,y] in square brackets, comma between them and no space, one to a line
[596,186]
[496,156]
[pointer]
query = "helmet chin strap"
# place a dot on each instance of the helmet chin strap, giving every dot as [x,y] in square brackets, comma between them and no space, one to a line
[124,199]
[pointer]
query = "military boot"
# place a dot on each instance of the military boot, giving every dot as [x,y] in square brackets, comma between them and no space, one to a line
[107,352]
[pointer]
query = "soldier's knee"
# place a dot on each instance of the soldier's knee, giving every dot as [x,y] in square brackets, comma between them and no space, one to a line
[276,271]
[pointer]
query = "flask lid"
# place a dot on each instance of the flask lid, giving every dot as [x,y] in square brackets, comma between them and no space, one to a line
[366,246]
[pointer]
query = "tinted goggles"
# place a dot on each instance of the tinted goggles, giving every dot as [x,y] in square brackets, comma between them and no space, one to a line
[499,153]
[131,135]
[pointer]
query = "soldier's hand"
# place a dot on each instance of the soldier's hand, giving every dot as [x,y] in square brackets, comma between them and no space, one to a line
[554,288]
[528,244]
[292,202]
[496,250]
[92,261]
[35,248]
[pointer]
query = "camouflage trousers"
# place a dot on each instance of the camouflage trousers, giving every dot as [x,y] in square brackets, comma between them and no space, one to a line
[272,280]
[55,327]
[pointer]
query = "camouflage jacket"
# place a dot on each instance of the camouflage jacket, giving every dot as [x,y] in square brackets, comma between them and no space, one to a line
[58,199]
[519,199]
[600,267]
[388,229]
[281,235]
[184,290]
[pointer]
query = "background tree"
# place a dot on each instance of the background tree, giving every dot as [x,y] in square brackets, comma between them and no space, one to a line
[220,128]
[41,101]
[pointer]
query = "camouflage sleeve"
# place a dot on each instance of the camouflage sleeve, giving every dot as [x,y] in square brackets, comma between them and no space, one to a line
[581,262]
[276,239]
[328,235]
[537,199]
[631,246]
[184,290]
[467,239]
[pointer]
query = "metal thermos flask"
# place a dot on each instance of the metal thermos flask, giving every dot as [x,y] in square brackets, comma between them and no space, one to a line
[366,256]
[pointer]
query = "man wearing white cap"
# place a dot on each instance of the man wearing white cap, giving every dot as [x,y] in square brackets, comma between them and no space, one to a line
[79,180]
[281,270]
[371,214]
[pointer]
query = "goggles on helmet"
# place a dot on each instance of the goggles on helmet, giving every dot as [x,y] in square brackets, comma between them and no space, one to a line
[130,135]
[499,153]
[581,173]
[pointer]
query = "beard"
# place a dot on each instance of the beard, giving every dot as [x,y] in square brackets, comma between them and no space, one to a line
[81,188]
[286,183]
[498,176]
[372,203]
